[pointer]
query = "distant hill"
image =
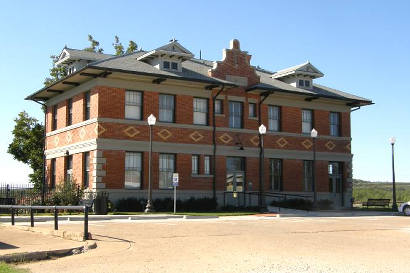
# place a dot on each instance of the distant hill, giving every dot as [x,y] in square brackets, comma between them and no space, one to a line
[363,190]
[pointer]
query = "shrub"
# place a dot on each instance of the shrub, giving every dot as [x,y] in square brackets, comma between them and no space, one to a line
[325,204]
[67,193]
[301,204]
[166,204]
[130,204]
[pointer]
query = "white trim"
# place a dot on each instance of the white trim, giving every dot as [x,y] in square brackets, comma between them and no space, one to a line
[71,127]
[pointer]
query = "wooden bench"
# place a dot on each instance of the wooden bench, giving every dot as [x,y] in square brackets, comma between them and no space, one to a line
[376,203]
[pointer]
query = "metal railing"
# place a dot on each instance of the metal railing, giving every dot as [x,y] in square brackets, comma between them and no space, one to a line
[55,209]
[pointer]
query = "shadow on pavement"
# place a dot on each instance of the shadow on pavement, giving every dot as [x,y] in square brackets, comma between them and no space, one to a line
[7,246]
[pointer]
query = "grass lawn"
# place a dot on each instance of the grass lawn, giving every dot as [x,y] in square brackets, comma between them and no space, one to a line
[7,268]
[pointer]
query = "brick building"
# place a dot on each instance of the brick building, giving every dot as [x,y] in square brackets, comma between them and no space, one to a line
[96,129]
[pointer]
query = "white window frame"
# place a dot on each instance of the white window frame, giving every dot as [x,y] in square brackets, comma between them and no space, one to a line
[334,123]
[307,122]
[252,114]
[166,108]
[207,164]
[166,169]
[195,164]
[274,118]
[133,170]
[218,109]
[133,105]
[200,108]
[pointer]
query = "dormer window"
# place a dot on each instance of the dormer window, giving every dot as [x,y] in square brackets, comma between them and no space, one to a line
[307,83]
[174,66]
[304,83]
[301,83]
[166,65]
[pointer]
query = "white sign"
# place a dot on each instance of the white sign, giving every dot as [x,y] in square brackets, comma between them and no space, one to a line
[175,179]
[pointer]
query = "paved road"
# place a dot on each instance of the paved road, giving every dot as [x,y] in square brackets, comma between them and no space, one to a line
[243,244]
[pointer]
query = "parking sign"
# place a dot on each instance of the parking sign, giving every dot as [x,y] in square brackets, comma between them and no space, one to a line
[175,179]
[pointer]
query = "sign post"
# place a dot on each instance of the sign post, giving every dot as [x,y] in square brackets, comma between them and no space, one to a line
[175,180]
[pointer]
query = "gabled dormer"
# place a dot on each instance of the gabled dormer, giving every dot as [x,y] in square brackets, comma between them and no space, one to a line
[301,76]
[75,59]
[168,57]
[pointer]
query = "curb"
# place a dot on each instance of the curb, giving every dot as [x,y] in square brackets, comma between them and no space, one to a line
[43,255]
[199,217]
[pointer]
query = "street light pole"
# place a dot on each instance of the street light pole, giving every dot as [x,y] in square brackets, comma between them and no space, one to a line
[394,205]
[262,199]
[150,207]
[313,134]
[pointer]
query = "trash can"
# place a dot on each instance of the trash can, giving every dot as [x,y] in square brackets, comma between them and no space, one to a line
[101,203]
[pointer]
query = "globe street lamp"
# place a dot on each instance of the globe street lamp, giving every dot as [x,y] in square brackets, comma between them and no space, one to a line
[262,201]
[151,122]
[313,134]
[394,205]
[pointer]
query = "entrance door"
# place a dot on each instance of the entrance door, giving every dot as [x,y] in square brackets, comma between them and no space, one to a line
[336,182]
[235,174]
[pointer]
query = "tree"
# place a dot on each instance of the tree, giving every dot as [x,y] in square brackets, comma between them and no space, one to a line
[27,145]
[94,45]
[132,47]
[119,48]
[56,72]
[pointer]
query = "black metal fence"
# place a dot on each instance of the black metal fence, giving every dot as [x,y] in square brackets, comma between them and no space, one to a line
[26,195]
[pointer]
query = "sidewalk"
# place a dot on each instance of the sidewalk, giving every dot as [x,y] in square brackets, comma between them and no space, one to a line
[18,245]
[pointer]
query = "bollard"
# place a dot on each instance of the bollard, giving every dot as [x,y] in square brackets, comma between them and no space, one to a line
[12,216]
[55,218]
[31,217]
[85,223]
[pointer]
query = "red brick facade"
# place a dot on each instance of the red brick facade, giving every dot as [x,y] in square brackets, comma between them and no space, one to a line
[107,122]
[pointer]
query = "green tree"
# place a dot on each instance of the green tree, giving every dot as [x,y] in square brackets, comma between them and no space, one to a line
[27,145]
[119,48]
[56,72]
[94,45]
[132,47]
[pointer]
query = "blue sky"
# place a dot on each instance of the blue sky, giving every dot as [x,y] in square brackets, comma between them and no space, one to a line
[362,47]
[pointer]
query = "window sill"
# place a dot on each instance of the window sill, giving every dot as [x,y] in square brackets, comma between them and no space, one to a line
[220,115]
[253,118]
[202,176]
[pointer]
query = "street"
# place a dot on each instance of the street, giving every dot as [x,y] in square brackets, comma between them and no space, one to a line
[243,244]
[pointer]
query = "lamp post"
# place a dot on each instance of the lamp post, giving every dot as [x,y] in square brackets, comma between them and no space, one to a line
[394,205]
[262,201]
[151,122]
[313,134]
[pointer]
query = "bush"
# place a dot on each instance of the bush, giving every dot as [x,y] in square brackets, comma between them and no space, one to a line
[130,204]
[301,204]
[67,193]
[166,204]
[325,204]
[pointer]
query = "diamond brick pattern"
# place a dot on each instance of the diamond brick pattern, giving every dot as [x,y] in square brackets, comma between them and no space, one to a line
[307,143]
[131,131]
[99,129]
[349,147]
[330,145]
[56,141]
[69,137]
[164,134]
[82,133]
[225,138]
[196,136]
[282,142]
[255,140]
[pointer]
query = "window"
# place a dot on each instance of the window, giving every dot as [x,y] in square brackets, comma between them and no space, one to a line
[69,168]
[174,66]
[307,83]
[166,169]
[133,105]
[53,174]
[276,174]
[219,107]
[335,170]
[54,121]
[195,164]
[252,110]
[235,114]
[166,108]
[334,124]
[69,112]
[308,175]
[200,111]
[132,170]
[301,83]
[274,118]
[86,170]
[87,105]
[207,164]
[307,121]
[166,65]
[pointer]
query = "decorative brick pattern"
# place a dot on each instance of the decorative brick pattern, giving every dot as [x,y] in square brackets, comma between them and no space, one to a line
[255,140]
[99,129]
[131,131]
[282,142]
[164,134]
[225,138]
[307,143]
[330,145]
[196,136]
